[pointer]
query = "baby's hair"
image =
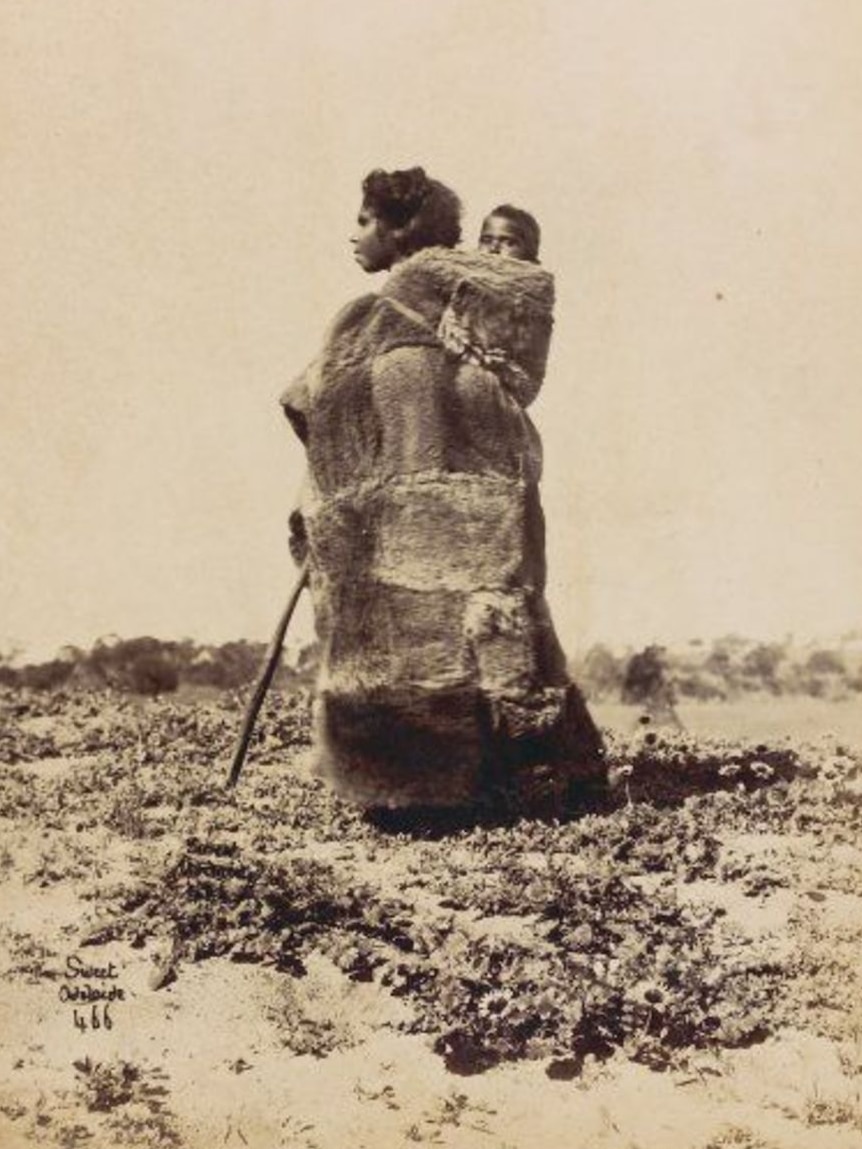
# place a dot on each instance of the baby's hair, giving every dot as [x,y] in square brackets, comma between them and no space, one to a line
[527,226]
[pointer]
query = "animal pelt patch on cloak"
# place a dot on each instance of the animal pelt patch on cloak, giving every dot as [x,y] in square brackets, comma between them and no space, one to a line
[441,677]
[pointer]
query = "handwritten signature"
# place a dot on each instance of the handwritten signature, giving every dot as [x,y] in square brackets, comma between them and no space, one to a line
[89,989]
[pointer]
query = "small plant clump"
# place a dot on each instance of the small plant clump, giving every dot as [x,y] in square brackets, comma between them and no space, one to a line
[132,1098]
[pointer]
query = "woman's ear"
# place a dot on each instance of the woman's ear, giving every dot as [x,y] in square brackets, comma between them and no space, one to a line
[404,236]
[399,240]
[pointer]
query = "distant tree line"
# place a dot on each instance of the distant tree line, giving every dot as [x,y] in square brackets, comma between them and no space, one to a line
[726,668]
[152,666]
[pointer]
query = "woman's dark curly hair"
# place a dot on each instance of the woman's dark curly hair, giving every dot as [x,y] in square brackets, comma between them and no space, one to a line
[426,212]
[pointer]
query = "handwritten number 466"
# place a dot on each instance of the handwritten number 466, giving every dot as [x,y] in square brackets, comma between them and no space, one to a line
[99,1017]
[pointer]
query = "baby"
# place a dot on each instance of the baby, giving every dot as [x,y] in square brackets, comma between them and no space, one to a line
[511,232]
[500,318]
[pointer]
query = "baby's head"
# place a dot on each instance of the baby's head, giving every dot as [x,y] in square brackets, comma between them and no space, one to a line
[511,232]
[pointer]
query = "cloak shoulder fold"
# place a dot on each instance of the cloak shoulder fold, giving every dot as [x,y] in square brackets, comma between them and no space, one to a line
[481,309]
[298,397]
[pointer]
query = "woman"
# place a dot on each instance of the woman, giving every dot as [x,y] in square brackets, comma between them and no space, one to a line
[441,683]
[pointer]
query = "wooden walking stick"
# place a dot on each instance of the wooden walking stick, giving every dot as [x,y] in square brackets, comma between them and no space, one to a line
[267,670]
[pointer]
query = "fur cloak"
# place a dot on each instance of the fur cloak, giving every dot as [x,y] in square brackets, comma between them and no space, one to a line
[441,682]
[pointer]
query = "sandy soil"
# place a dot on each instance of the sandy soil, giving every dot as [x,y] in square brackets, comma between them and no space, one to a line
[676,968]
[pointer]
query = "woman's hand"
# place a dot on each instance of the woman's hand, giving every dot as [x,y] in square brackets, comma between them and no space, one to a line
[298,538]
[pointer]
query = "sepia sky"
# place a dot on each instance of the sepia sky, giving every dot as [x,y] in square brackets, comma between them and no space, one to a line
[179,182]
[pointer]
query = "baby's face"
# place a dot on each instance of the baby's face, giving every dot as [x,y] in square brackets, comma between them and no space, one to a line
[500,236]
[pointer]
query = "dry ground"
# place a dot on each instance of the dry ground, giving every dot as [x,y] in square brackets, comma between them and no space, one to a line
[676,969]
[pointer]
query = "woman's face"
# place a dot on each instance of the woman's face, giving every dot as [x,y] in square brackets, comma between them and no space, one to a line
[375,245]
